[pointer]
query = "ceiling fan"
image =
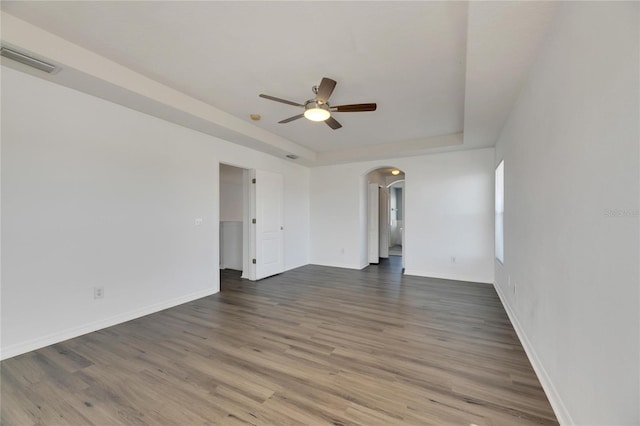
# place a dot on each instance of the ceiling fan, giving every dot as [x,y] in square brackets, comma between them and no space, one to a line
[319,109]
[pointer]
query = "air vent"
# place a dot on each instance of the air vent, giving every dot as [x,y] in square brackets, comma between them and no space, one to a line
[292,156]
[27,60]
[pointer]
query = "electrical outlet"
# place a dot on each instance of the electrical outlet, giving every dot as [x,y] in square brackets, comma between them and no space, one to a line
[198,221]
[98,292]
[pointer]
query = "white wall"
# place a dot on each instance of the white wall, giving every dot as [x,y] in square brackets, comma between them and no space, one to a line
[570,149]
[449,212]
[231,246]
[95,194]
[231,194]
[336,229]
[376,177]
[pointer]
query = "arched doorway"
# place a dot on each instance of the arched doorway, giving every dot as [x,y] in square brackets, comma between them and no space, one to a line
[385,213]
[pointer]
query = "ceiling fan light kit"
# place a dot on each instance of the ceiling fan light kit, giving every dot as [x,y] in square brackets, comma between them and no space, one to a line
[319,109]
[315,111]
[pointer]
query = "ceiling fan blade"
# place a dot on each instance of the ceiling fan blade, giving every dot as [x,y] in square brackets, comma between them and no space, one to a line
[354,108]
[284,101]
[295,117]
[333,123]
[325,89]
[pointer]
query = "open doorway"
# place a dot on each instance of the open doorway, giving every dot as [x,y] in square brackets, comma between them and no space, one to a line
[385,214]
[251,223]
[233,211]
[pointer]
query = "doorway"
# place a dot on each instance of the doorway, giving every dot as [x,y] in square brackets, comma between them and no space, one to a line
[251,232]
[385,214]
[233,210]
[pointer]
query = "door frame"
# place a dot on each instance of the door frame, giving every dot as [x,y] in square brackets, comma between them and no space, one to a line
[248,240]
[373,223]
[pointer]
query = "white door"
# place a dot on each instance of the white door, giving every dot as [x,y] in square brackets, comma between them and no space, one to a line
[373,225]
[384,223]
[269,230]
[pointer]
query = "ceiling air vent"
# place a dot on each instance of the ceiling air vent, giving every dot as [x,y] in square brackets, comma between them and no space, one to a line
[27,60]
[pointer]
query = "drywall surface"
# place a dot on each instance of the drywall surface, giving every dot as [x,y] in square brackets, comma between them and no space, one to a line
[231,245]
[231,194]
[338,232]
[98,195]
[570,275]
[449,214]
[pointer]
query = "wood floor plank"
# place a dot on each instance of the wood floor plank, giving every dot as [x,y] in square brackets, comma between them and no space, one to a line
[315,345]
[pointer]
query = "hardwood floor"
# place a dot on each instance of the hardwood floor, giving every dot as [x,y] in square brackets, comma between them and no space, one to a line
[314,346]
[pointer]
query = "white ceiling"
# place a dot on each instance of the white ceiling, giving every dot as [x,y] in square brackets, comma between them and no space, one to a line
[413,58]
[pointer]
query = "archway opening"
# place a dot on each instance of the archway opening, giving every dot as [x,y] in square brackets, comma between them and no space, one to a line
[385,214]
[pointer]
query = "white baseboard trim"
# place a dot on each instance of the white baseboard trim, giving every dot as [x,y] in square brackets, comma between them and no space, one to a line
[454,277]
[340,265]
[290,267]
[70,333]
[560,410]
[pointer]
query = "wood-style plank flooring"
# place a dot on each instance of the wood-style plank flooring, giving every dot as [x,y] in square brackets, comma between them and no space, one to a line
[313,346]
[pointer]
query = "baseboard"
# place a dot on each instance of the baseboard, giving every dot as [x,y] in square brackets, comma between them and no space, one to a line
[339,265]
[289,268]
[41,342]
[232,267]
[559,409]
[454,277]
